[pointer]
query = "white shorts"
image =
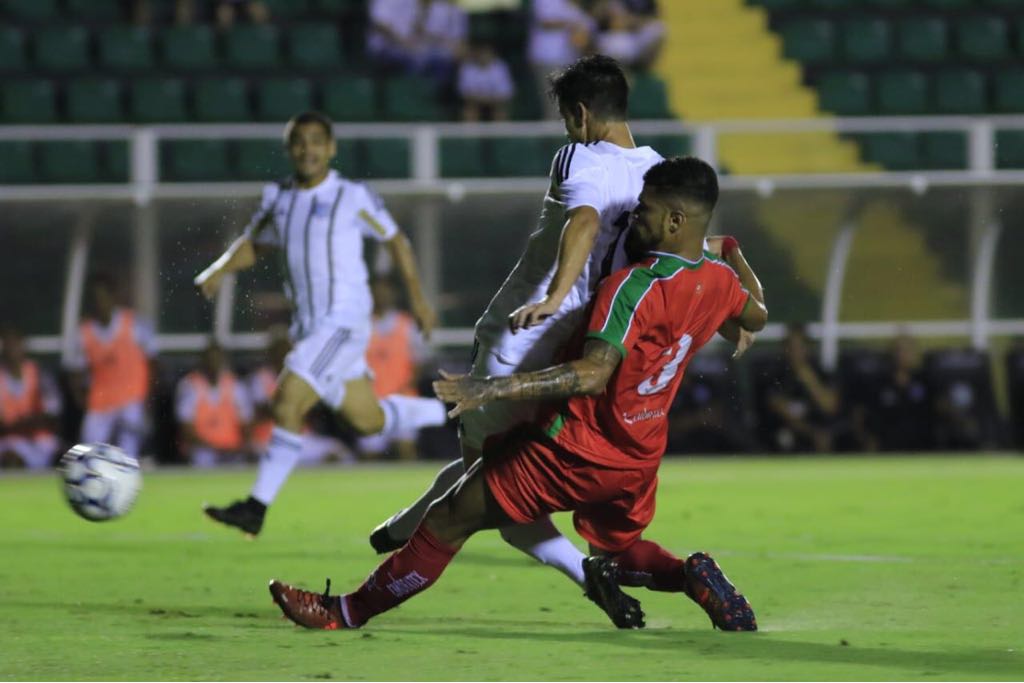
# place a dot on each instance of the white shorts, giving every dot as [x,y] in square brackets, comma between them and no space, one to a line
[37,452]
[328,358]
[124,427]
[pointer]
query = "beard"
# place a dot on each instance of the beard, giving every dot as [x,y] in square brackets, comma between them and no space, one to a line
[635,247]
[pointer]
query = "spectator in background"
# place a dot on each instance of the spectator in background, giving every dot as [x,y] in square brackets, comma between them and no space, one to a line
[227,11]
[485,85]
[560,33]
[112,370]
[213,412]
[442,41]
[395,351]
[425,37]
[30,407]
[700,421]
[898,415]
[802,401]
[628,31]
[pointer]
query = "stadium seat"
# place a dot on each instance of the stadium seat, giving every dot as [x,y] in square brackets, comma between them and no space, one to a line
[285,9]
[518,157]
[348,161]
[960,91]
[847,93]
[260,160]
[314,46]
[32,101]
[158,100]
[17,165]
[1010,149]
[901,92]
[68,161]
[948,4]
[278,99]
[251,47]
[1008,96]
[411,99]
[61,48]
[831,4]
[12,49]
[114,161]
[892,4]
[462,158]
[31,10]
[894,151]
[386,158]
[671,145]
[220,99]
[944,150]
[809,40]
[194,160]
[922,39]
[93,100]
[189,48]
[866,41]
[779,5]
[983,38]
[648,98]
[349,99]
[94,10]
[125,48]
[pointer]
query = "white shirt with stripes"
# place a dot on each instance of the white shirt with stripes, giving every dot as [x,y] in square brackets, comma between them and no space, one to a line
[319,232]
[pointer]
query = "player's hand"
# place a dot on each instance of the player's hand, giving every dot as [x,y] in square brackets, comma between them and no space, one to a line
[715,245]
[208,282]
[532,314]
[747,339]
[467,393]
[425,317]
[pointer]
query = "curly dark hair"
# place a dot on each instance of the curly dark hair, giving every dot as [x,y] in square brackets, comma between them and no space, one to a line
[686,177]
[595,80]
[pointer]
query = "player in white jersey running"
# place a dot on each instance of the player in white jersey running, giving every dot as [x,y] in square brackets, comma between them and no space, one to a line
[317,220]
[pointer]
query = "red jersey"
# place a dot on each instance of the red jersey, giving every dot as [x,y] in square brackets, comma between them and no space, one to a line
[658,313]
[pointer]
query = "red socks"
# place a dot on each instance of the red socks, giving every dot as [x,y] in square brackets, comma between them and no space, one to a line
[408,571]
[647,565]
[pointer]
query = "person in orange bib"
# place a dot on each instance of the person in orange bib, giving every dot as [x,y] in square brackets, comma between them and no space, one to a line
[213,412]
[115,350]
[30,406]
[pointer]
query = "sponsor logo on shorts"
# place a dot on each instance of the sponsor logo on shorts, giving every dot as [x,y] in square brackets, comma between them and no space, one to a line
[642,416]
[407,584]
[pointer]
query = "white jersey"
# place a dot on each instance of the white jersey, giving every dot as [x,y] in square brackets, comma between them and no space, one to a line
[602,175]
[320,233]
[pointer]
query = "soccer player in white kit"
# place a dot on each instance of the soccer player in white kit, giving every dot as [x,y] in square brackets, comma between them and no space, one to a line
[317,220]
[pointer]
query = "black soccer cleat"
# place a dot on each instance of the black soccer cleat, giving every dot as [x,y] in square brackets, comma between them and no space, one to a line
[382,541]
[601,577]
[708,587]
[245,515]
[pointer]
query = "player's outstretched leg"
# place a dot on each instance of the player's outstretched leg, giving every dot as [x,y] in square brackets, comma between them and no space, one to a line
[392,533]
[602,586]
[542,541]
[706,585]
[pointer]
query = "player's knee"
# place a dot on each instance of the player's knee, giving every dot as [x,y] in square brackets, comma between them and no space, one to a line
[287,414]
[442,523]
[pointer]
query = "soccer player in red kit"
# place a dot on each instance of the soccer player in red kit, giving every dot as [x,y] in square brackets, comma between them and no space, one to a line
[597,449]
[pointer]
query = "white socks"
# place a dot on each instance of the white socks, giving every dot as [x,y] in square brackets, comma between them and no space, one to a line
[542,541]
[276,464]
[408,414]
[402,525]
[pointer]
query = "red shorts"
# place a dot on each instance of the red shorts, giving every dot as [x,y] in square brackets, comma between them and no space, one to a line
[531,476]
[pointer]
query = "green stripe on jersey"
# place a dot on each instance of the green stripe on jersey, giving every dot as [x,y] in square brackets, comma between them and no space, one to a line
[556,425]
[629,295]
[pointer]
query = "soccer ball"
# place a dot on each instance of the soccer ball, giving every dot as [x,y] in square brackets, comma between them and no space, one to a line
[100,481]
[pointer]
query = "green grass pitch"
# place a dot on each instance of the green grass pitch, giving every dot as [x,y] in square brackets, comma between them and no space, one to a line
[858,568]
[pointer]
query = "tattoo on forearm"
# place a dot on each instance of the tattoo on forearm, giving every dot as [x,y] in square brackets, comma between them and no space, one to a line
[569,379]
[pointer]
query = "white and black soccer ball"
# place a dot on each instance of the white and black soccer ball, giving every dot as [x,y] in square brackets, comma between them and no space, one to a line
[101,481]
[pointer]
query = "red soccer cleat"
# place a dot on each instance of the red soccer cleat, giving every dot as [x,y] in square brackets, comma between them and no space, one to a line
[309,609]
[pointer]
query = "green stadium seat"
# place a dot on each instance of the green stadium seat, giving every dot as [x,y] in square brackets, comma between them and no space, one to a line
[114,166]
[31,101]
[779,5]
[189,48]
[17,165]
[61,48]
[983,38]
[648,98]
[831,4]
[68,161]
[278,99]
[866,41]
[1010,5]
[260,160]
[901,92]
[847,93]
[95,10]
[194,160]
[518,157]
[462,158]
[334,8]
[944,150]
[349,98]
[960,91]
[672,145]
[948,4]
[922,39]
[94,100]
[286,9]
[348,161]
[30,10]
[1008,97]
[251,47]
[894,151]
[125,48]
[220,99]
[893,4]
[158,100]
[386,158]
[809,40]
[314,46]
[1010,149]
[12,49]
[411,99]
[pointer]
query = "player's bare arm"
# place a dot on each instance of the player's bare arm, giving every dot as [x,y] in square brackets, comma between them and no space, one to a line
[241,255]
[733,330]
[755,315]
[574,249]
[587,376]
[405,260]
